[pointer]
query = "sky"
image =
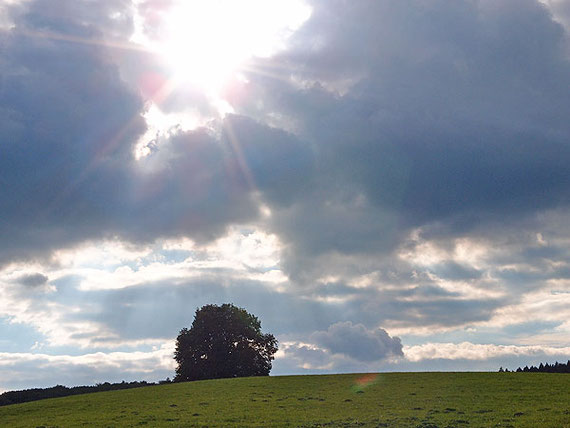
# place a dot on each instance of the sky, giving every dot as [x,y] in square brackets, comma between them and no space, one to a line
[384,184]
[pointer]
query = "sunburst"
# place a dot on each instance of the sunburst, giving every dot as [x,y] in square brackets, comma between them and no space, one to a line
[205,42]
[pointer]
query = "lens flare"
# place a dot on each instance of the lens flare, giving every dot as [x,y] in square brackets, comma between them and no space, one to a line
[363,382]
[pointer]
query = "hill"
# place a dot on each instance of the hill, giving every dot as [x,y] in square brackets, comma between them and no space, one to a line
[392,399]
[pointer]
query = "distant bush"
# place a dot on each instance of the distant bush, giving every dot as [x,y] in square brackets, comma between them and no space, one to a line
[23,396]
[543,368]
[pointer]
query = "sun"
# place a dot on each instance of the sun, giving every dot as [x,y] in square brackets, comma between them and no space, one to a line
[205,42]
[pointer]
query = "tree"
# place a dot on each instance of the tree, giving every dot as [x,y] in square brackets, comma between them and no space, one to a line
[224,341]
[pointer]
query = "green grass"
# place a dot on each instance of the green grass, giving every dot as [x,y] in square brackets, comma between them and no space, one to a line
[393,399]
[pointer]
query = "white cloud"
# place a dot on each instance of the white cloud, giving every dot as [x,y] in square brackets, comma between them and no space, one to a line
[62,311]
[17,369]
[544,305]
[471,351]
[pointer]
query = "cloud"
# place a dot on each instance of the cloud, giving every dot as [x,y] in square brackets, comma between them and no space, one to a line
[18,370]
[356,341]
[444,123]
[199,182]
[451,120]
[293,357]
[71,121]
[471,351]
[32,280]
[69,162]
[560,10]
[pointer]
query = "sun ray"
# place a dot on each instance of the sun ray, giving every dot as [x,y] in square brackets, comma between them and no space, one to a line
[106,148]
[239,156]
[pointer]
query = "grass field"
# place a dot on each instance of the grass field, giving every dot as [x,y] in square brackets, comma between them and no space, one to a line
[393,399]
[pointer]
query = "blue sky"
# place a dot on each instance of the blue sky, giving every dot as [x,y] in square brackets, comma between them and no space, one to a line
[385,184]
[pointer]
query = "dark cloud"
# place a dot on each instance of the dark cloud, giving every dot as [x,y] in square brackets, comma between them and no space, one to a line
[77,18]
[196,183]
[420,114]
[70,124]
[189,186]
[281,166]
[455,271]
[356,341]
[448,114]
[32,280]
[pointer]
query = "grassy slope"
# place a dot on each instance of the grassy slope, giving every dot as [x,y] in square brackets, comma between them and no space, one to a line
[394,399]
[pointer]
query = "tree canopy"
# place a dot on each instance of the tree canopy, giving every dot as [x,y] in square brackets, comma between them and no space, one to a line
[224,341]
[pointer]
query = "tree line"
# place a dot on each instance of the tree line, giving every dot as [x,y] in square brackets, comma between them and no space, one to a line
[23,396]
[542,368]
